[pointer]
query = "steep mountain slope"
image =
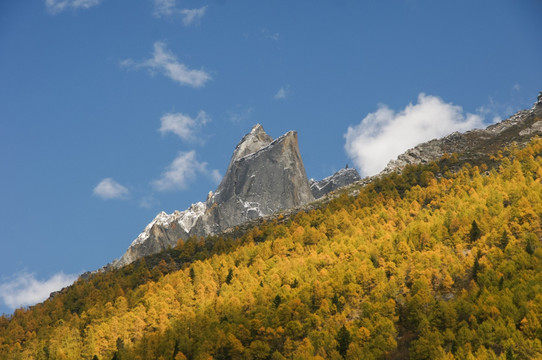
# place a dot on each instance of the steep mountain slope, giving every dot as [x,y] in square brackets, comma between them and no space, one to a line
[162,233]
[415,266]
[423,264]
[476,144]
[263,177]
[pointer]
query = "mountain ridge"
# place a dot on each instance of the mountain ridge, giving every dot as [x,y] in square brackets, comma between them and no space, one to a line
[204,219]
[263,177]
[477,143]
[341,178]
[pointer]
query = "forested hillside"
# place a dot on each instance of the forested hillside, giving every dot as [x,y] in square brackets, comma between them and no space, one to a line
[429,264]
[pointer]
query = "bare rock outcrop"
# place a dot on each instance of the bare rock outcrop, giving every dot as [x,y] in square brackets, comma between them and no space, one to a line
[331,183]
[162,233]
[258,183]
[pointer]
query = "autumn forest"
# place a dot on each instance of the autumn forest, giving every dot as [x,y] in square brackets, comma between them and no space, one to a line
[442,261]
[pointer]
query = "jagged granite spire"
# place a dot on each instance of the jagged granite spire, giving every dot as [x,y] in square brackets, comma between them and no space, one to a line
[263,177]
[257,183]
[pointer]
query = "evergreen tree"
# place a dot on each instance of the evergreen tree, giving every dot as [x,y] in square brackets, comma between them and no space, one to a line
[229,277]
[192,274]
[504,240]
[277,301]
[344,338]
[338,304]
[475,233]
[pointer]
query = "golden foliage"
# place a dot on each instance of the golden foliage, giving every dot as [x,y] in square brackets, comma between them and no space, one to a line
[426,264]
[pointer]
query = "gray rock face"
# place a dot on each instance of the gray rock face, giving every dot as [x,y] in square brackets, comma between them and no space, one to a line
[341,178]
[256,139]
[478,143]
[162,233]
[263,177]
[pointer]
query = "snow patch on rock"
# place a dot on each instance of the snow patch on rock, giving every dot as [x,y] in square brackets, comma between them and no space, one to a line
[186,219]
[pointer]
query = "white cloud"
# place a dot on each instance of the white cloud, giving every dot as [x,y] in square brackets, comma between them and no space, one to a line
[182,171]
[110,189]
[183,125]
[167,8]
[57,6]
[191,16]
[164,7]
[383,135]
[282,93]
[516,87]
[166,62]
[26,290]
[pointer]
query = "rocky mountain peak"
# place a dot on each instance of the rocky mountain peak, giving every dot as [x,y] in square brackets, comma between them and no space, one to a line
[263,177]
[343,177]
[260,183]
[256,139]
[163,232]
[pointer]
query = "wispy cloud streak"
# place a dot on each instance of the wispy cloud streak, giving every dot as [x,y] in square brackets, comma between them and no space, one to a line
[191,16]
[184,126]
[182,171]
[168,8]
[165,62]
[57,6]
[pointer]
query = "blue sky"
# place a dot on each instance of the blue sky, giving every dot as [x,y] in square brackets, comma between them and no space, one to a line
[113,110]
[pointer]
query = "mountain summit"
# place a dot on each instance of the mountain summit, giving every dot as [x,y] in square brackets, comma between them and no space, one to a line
[256,139]
[264,176]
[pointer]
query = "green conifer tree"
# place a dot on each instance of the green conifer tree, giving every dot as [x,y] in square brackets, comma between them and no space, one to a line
[344,338]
